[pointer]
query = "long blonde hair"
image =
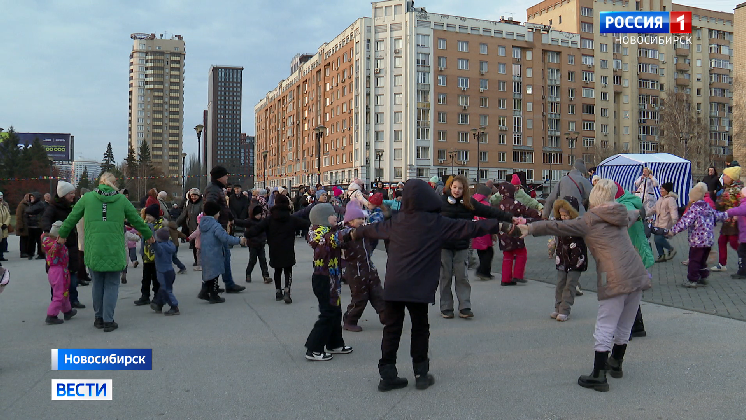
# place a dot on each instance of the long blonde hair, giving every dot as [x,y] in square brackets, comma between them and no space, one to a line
[109,179]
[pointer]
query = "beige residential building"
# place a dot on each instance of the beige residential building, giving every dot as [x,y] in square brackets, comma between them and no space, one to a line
[739,105]
[156,99]
[632,79]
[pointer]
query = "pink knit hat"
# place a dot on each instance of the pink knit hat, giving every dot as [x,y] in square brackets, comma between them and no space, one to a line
[515,180]
[353,211]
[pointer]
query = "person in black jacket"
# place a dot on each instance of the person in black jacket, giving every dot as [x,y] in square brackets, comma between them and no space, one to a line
[280,228]
[214,193]
[58,210]
[239,205]
[256,244]
[712,179]
[416,235]
[33,222]
[457,203]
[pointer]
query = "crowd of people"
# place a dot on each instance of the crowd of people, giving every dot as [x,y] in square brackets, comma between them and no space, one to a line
[429,230]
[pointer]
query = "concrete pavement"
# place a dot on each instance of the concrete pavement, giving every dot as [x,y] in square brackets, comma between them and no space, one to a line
[244,358]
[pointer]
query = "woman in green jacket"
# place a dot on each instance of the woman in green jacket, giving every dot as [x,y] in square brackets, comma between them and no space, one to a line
[105,210]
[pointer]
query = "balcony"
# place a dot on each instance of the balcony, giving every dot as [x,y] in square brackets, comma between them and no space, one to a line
[553,81]
[517,95]
[682,51]
[682,66]
[517,78]
[682,81]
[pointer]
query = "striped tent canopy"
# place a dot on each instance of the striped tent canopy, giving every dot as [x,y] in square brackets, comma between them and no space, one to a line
[626,168]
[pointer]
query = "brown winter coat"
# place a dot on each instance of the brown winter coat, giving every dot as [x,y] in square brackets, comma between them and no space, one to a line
[21,228]
[619,268]
[666,211]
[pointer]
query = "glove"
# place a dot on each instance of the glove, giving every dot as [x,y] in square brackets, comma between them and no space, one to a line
[4,226]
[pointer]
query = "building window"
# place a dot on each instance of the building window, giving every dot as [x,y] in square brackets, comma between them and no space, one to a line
[463,118]
[397,172]
[463,46]
[501,156]
[442,98]
[463,137]
[442,117]
[522,156]
[442,136]
[397,135]
[423,152]
[463,64]
[441,80]
[463,82]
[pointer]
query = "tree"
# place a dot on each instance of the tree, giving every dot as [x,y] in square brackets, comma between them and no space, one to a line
[738,118]
[145,168]
[193,171]
[684,133]
[130,169]
[21,167]
[108,161]
[84,182]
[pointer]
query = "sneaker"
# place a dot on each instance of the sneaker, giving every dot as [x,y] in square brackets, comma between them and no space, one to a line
[98,323]
[446,314]
[562,317]
[318,357]
[278,295]
[482,277]
[578,291]
[53,320]
[685,262]
[286,297]
[142,301]
[520,280]
[340,350]
[110,326]
[690,284]
[174,310]
[70,314]
[198,268]
[77,305]
[508,283]
[553,315]
[719,267]
[234,289]
[248,278]
[156,307]
[737,276]
[661,258]
[267,279]
[182,271]
[135,264]
[670,254]
[352,327]
[466,313]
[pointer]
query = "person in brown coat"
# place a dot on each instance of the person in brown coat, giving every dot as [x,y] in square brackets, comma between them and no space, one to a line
[21,229]
[621,275]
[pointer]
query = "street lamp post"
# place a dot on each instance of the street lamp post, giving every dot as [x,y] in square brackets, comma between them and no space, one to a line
[379,156]
[452,156]
[319,135]
[572,137]
[198,128]
[183,174]
[684,138]
[478,133]
[264,157]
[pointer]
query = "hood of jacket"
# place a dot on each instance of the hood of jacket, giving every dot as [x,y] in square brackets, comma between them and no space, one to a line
[37,196]
[673,195]
[580,166]
[612,213]
[280,213]
[418,196]
[208,224]
[106,194]
[630,200]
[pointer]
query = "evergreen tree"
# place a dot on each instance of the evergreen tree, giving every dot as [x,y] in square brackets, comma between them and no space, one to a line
[83,182]
[108,161]
[130,168]
[145,168]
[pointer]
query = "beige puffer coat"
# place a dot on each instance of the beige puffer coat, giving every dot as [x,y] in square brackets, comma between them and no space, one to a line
[619,268]
[666,210]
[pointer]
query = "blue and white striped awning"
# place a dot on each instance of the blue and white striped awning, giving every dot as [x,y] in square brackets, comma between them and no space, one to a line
[626,168]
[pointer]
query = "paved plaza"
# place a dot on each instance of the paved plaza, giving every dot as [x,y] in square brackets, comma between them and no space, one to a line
[244,359]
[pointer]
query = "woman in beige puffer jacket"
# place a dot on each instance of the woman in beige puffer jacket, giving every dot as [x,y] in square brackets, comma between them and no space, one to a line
[621,275]
[666,211]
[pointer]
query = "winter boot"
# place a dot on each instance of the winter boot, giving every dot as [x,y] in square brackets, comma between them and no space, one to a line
[267,279]
[422,378]
[144,300]
[204,294]
[638,328]
[123,278]
[69,314]
[53,320]
[286,296]
[389,378]
[614,364]
[597,379]
[214,296]
[278,295]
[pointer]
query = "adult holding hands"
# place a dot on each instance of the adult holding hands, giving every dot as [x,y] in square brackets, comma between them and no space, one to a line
[645,186]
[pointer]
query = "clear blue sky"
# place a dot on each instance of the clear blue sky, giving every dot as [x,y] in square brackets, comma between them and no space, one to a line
[66,62]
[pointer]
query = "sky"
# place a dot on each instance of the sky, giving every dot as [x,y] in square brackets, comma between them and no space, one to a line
[66,62]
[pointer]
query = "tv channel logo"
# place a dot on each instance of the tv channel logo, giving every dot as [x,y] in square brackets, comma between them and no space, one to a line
[646,22]
[81,389]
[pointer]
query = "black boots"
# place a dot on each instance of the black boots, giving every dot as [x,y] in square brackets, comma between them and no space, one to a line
[614,364]
[421,376]
[638,328]
[204,293]
[214,296]
[597,379]
[389,379]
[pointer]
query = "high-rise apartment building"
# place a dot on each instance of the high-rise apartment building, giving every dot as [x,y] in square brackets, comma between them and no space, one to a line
[405,93]
[739,86]
[634,79]
[247,161]
[223,133]
[156,99]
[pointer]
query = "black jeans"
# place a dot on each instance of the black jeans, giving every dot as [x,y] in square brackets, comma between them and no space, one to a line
[328,328]
[393,314]
[485,260]
[34,241]
[741,259]
[288,277]
[149,279]
[257,253]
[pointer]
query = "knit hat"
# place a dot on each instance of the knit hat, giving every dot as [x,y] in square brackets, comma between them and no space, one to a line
[734,172]
[282,200]
[55,230]
[337,191]
[320,214]
[218,172]
[515,180]
[353,211]
[64,188]
[153,210]
[194,191]
[668,186]
[280,190]
[319,193]
[619,191]
[211,208]
[698,192]
[162,195]
[162,235]
[595,178]
[434,179]
[376,199]
[353,187]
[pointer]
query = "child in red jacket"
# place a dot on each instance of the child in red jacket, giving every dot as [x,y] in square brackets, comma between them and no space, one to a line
[514,249]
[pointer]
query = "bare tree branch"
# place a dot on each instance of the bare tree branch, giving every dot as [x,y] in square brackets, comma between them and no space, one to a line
[684,132]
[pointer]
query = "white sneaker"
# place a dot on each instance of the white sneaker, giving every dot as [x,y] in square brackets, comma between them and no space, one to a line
[562,317]
[578,292]
[718,267]
[553,315]
[318,357]
[685,262]
[340,350]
